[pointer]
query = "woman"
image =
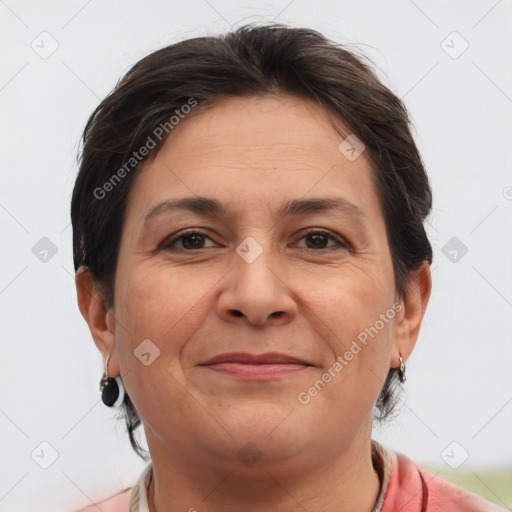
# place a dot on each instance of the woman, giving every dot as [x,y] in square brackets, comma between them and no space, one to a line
[251,261]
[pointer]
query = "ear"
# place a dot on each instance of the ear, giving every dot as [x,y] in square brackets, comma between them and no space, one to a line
[409,319]
[100,320]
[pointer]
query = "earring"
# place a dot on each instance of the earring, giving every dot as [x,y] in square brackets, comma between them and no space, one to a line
[401,369]
[108,387]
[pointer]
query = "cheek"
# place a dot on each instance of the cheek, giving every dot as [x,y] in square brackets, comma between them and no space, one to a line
[357,322]
[354,300]
[159,304]
[150,305]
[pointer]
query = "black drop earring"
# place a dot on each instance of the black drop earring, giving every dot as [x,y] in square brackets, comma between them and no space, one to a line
[108,387]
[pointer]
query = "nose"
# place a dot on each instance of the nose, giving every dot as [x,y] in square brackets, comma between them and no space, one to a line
[257,292]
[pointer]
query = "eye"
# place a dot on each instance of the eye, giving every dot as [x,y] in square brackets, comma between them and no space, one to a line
[318,239]
[190,240]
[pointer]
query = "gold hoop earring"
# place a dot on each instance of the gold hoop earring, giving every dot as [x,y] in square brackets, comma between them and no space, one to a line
[401,369]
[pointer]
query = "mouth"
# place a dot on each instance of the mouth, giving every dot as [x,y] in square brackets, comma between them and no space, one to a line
[256,366]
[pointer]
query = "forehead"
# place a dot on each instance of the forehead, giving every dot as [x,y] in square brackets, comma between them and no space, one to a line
[251,150]
[280,126]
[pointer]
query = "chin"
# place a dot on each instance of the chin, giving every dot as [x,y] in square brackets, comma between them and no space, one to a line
[273,435]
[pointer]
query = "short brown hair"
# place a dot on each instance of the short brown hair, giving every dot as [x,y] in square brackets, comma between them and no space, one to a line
[251,60]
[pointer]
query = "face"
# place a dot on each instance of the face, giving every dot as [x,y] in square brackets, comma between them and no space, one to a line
[268,271]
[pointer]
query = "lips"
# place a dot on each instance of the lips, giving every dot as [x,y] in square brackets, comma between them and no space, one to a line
[262,367]
[254,359]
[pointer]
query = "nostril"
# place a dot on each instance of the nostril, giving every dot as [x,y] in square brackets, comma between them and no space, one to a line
[237,313]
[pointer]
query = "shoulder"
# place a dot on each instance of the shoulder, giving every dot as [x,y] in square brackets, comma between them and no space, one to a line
[118,503]
[413,489]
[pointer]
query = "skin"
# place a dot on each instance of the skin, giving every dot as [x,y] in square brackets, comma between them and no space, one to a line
[253,154]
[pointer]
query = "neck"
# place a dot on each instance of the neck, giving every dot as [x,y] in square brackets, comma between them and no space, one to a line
[348,482]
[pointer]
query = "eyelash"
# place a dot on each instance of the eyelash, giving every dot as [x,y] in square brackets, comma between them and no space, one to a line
[167,245]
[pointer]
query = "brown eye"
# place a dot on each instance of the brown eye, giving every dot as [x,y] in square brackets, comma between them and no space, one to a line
[319,240]
[192,240]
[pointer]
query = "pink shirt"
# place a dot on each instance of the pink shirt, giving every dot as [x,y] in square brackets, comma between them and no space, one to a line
[405,487]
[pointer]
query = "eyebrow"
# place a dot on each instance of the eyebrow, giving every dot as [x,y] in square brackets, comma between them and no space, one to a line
[212,207]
